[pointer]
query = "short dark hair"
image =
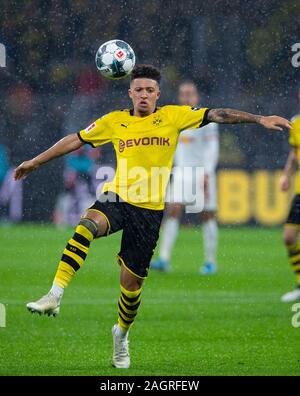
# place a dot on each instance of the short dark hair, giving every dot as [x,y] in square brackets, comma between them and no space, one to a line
[146,71]
[188,82]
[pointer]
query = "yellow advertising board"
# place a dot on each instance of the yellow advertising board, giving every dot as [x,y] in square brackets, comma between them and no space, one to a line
[255,196]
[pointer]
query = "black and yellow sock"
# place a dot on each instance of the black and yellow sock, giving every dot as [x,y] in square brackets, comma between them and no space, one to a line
[129,303]
[75,252]
[294,258]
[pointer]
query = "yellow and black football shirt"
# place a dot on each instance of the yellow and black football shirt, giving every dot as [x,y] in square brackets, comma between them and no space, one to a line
[294,141]
[145,148]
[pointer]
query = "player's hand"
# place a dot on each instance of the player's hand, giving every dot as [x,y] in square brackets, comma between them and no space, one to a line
[285,183]
[24,169]
[275,122]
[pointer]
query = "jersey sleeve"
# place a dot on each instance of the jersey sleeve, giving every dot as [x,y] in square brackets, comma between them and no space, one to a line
[98,133]
[292,134]
[186,117]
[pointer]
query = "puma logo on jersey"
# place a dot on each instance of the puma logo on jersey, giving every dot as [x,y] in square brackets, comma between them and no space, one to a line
[146,141]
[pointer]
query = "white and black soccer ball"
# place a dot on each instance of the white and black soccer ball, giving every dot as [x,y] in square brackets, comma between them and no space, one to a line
[115,59]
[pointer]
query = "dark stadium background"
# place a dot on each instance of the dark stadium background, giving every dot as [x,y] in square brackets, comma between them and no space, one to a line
[239,52]
[232,323]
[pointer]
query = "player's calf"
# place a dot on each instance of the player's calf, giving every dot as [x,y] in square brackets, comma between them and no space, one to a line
[290,237]
[92,226]
[76,251]
[128,305]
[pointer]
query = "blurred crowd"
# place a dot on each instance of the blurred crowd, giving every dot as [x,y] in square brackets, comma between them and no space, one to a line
[51,45]
[239,53]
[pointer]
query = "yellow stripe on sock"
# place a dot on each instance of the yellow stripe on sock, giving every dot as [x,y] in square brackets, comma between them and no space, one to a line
[79,245]
[64,274]
[292,247]
[74,256]
[84,232]
[126,309]
[294,259]
[124,326]
[130,303]
[130,294]
[126,317]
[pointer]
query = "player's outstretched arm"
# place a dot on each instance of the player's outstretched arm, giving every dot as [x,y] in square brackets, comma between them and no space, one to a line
[290,168]
[64,146]
[232,116]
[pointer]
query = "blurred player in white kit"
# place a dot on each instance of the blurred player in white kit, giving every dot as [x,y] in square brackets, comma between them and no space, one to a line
[195,149]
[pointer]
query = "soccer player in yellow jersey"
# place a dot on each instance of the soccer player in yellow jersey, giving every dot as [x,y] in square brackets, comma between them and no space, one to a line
[291,228]
[145,140]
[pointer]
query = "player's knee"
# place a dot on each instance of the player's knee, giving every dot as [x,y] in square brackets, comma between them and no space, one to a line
[174,211]
[95,222]
[289,237]
[129,281]
[132,284]
[206,216]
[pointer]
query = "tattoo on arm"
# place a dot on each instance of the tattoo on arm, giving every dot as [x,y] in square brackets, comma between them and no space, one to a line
[231,116]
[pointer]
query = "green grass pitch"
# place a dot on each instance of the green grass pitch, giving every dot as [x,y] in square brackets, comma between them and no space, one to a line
[231,323]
